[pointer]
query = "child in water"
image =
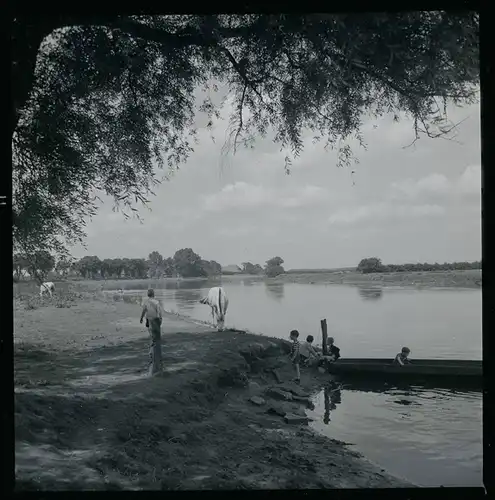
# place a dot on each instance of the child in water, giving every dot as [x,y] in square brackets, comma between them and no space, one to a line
[402,358]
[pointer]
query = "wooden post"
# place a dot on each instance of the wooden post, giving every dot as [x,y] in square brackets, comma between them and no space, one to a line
[324,336]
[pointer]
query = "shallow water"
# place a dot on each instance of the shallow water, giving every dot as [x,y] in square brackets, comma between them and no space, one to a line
[431,437]
[365,321]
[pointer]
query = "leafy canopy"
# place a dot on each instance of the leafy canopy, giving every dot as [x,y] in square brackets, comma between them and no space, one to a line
[100,102]
[250,268]
[370,265]
[274,267]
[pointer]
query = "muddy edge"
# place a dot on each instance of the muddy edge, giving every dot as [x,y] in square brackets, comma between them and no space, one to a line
[88,417]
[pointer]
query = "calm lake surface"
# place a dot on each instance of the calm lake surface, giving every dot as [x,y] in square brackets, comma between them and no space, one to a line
[432,437]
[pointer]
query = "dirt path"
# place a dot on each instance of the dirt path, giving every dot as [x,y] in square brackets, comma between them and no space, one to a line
[88,417]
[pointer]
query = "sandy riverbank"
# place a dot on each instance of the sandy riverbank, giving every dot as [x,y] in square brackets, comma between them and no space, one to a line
[87,417]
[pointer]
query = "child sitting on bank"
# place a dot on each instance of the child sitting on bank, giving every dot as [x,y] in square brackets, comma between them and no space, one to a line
[308,353]
[403,357]
[332,349]
[294,355]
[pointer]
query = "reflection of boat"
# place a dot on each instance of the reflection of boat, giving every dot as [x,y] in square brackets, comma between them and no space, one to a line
[470,371]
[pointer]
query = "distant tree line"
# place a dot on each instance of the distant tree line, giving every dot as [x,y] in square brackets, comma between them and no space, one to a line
[40,263]
[374,265]
[185,263]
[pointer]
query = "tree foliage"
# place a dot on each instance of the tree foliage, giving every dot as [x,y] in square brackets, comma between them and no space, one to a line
[159,267]
[274,267]
[188,263]
[155,262]
[89,266]
[250,268]
[374,265]
[370,265]
[211,267]
[168,266]
[63,266]
[43,262]
[99,101]
[20,265]
[38,265]
[185,263]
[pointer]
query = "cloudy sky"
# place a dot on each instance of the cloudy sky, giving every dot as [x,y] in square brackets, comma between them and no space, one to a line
[419,203]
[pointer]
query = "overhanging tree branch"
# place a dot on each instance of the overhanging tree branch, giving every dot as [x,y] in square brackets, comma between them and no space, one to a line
[321,72]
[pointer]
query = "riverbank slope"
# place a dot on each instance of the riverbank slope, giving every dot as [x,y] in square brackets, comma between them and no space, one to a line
[88,417]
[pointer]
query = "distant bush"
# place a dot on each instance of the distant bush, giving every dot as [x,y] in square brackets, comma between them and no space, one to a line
[374,265]
[370,265]
[274,267]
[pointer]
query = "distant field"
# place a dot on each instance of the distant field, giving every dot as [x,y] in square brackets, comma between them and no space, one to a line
[320,271]
[457,279]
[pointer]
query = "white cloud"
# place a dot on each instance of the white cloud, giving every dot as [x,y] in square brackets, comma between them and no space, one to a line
[432,184]
[235,232]
[259,211]
[242,195]
[467,184]
[381,211]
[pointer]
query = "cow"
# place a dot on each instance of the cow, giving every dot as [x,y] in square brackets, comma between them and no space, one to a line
[218,301]
[47,287]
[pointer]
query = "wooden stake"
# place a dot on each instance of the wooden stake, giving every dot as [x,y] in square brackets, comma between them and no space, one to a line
[324,336]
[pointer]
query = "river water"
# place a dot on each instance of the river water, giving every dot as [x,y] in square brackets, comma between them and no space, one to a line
[431,437]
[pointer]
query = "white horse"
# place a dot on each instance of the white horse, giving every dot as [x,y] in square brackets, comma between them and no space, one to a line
[218,301]
[47,287]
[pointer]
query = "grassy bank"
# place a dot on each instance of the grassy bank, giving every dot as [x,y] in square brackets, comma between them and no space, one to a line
[88,417]
[424,279]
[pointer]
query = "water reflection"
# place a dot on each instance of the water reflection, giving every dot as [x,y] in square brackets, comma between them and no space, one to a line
[168,285]
[332,396]
[430,435]
[275,290]
[187,298]
[416,395]
[157,284]
[370,292]
[407,389]
[195,285]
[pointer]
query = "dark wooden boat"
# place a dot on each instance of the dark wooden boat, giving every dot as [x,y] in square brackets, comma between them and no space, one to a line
[418,369]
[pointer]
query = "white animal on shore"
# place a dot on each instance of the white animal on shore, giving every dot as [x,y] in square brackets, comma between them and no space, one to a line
[47,287]
[218,301]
